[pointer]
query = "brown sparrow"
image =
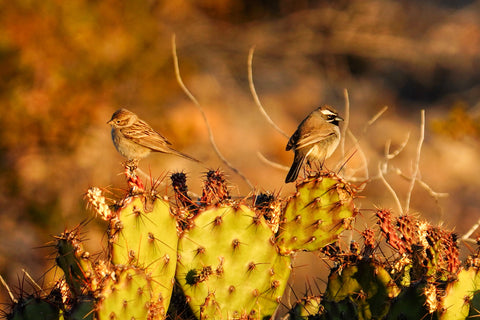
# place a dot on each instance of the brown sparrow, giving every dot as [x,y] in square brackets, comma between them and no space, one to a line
[316,138]
[135,139]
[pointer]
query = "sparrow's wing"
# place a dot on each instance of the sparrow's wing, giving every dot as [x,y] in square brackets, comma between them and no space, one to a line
[310,138]
[141,133]
[293,140]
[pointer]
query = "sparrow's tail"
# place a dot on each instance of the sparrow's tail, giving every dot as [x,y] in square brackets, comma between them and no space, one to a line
[295,168]
[183,155]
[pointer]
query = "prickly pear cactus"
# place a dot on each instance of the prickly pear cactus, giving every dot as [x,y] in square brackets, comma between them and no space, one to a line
[34,308]
[75,263]
[128,294]
[143,234]
[459,294]
[229,267]
[433,251]
[315,216]
[79,277]
[82,309]
[367,285]
[475,306]
[411,303]
[306,307]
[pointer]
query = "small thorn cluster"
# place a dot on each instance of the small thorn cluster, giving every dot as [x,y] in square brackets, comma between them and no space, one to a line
[270,208]
[97,201]
[215,190]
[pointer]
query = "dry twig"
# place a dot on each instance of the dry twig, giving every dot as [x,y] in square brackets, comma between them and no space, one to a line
[415,175]
[375,118]
[357,142]
[255,96]
[417,160]
[362,156]
[390,155]
[197,104]
[389,187]
[466,236]
[346,122]
[271,163]
[423,184]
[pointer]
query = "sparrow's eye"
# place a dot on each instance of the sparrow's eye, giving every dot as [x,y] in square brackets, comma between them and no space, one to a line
[117,121]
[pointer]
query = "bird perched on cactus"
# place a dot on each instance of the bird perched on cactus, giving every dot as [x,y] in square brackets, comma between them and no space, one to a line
[135,139]
[316,138]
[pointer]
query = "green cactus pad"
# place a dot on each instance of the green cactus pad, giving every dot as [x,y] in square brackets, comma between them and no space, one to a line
[368,285]
[306,307]
[410,304]
[82,309]
[345,309]
[127,295]
[459,294]
[475,306]
[229,267]
[147,240]
[320,210]
[32,308]
[74,262]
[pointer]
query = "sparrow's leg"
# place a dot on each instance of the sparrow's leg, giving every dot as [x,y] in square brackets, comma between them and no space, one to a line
[134,181]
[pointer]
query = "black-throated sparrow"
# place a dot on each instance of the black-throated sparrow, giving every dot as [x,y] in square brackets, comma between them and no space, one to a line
[316,138]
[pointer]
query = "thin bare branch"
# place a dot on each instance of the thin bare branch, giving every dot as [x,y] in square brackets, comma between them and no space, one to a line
[390,155]
[417,160]
[195,101]
[346,122]
[423,184]
[10,294]
[434,194]
[469,240]
[255,96]
[467,235]
[271,163]
[361,152]
[389,187]
[375,117]
[356,141]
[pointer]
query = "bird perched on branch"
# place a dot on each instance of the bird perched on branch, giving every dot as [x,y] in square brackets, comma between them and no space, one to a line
[135,139]
[316,138]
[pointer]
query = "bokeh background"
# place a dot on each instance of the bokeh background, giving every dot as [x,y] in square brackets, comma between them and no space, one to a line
[66,66]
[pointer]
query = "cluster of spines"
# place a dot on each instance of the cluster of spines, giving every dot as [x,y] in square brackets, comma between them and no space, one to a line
[215,189]
[270,207]
[433,251]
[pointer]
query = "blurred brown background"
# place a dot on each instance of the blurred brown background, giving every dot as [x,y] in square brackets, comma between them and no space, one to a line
[66,66]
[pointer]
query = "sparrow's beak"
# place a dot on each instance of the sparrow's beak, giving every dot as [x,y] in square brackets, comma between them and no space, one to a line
[338,118]
[110,122]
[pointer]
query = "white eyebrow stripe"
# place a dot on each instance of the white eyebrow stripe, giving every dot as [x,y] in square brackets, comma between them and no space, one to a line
[328,112]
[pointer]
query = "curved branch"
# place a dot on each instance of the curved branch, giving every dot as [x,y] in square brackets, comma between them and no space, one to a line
[417,160]
[346,122]
[271,163]
[255,96]
[195,101]
[389,187]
